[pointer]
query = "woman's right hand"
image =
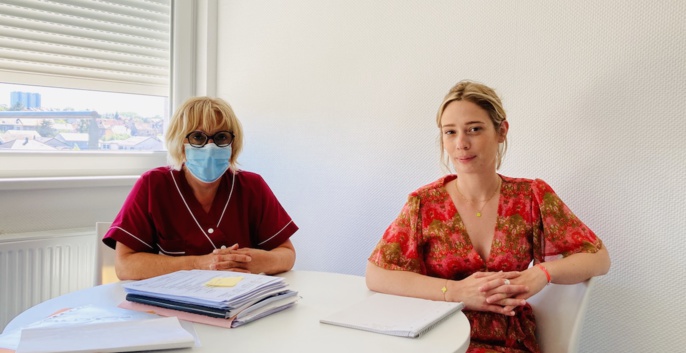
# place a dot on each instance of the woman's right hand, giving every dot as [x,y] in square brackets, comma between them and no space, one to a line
[474,290]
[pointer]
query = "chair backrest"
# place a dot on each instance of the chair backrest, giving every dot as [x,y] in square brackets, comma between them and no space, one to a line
[560,310]
[104,256]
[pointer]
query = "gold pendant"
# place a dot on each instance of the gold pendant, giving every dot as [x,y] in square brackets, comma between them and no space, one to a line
[478,214]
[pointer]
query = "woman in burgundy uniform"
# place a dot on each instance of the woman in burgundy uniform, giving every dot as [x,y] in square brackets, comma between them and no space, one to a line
[470,237]
[201,211]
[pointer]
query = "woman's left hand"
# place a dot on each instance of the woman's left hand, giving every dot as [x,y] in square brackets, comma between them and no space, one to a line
[259,261]
[250,260]
[229,259]
[497,292]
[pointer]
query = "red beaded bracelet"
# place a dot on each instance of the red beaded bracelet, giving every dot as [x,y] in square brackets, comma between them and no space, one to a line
[547,275]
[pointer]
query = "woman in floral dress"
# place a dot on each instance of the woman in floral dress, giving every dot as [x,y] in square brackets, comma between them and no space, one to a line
[470,237]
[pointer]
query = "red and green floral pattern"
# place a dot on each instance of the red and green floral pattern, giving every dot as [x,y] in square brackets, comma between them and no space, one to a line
[429,238]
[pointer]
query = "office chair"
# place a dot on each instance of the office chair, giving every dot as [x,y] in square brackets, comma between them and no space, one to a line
[104,257]
[560,310]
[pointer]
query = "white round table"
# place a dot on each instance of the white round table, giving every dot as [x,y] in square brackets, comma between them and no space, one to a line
[296,329]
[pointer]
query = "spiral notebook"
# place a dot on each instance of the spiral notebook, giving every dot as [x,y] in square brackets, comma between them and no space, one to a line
[394,315]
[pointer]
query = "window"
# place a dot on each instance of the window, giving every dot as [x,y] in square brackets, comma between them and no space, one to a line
[39,118]
[83,85]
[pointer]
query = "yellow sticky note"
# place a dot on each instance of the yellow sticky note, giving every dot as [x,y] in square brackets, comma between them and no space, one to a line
[223,281]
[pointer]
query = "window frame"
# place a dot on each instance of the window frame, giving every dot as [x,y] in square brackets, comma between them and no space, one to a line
[21,168]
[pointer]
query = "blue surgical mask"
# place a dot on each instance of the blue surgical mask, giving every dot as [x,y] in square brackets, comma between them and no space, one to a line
[207,163]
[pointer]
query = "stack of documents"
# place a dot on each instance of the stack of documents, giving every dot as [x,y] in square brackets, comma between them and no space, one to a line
[238,297]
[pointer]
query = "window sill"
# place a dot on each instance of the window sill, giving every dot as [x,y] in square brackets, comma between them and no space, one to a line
[19,165]
[66,182]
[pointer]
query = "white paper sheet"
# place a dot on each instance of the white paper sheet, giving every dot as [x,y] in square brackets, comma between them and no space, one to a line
[122,336]
[85,314]
[393,315]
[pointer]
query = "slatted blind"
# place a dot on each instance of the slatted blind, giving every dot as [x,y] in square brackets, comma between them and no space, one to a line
[116,46]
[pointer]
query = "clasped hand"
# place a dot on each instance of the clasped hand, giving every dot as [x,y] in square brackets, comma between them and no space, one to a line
[245,260]
[499,292]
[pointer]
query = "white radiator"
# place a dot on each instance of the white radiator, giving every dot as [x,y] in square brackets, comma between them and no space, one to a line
[35,267]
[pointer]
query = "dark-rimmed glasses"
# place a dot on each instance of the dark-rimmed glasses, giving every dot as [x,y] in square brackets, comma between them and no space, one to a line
[199,139]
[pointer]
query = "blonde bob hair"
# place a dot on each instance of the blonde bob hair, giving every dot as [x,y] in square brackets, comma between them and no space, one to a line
[486,98]
[205,114]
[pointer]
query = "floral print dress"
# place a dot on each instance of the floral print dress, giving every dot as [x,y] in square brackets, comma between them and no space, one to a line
[429,238]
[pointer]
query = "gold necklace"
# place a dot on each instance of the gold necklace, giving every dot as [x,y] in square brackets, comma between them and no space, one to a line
[478,213]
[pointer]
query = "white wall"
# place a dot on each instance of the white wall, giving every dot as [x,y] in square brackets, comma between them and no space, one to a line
[45,208]
[338,101]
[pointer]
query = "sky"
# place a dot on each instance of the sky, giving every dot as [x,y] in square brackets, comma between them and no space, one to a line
[102,102]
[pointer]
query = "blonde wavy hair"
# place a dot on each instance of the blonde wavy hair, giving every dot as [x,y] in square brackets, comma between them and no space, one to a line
[483,96]
[206,114]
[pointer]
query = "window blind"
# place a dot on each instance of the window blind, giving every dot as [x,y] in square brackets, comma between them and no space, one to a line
[116,46]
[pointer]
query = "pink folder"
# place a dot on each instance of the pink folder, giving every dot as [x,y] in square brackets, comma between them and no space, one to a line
[182,315]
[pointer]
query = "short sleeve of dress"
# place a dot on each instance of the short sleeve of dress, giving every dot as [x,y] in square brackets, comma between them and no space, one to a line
[557,230]
[400,248]
[133,226]
[273,225]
